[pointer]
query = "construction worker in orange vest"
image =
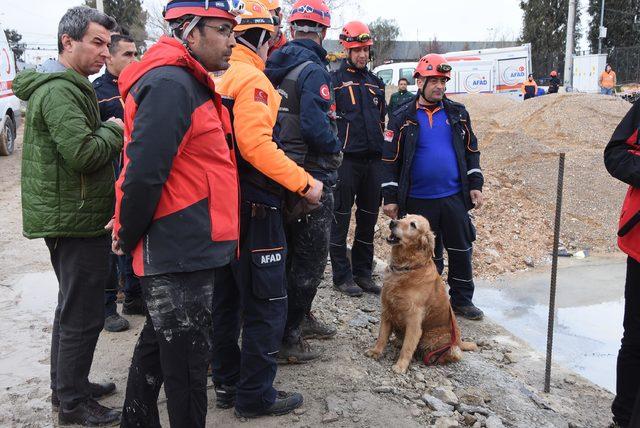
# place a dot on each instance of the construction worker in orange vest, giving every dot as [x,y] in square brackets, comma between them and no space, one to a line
[244,377]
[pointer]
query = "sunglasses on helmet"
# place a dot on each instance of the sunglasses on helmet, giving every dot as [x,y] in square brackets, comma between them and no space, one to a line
[362,38]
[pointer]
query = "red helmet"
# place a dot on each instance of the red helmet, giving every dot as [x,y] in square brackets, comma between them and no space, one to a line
[433,65]
[553,73]
[226,9]
[311,10]
[355,34]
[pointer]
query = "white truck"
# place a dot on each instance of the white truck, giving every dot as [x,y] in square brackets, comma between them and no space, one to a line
[511,66]
[494,70]
[9,103]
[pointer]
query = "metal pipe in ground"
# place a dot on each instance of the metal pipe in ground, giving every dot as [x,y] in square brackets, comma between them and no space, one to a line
[554,274]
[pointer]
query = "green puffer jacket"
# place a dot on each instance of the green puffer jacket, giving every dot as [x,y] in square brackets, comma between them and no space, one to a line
[68,153]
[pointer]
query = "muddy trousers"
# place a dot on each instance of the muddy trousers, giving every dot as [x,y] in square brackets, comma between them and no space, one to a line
[173,348]
[308,242]
[454,232]
[251,292]
[82,268]
[628,368]
[359,180]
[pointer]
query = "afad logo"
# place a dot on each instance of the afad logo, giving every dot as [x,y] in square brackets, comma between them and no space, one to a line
[513,75]
[476,83]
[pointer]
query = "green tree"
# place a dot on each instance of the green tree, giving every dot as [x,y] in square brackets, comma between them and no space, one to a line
[545,27]
[384,33]
[13,37]
[129,14]
[618,18]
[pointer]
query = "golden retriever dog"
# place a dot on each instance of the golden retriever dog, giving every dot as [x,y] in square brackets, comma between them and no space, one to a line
[415,304]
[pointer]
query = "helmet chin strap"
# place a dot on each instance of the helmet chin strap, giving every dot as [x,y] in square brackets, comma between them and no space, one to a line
[250,45]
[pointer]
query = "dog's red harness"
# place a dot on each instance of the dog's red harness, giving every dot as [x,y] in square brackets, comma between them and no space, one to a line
[437,356]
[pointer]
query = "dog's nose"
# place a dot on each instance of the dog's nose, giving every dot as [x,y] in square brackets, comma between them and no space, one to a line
[393,224]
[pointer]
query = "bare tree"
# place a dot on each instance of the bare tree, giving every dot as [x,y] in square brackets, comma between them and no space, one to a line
[384,32]
[434,46]
[156,24]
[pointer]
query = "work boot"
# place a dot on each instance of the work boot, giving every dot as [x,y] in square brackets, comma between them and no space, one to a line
[115,323]
[312,328]
[133,306]
[296,350]
[470,312]
[96,392]
[225,395]
[89,413]
[286,402]
[350,288]
[368,285]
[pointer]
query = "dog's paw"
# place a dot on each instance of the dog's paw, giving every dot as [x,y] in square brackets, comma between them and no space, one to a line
[399,368]
[373,353]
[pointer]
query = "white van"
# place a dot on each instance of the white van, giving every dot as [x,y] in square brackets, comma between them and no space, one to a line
[9,103]
[391,74]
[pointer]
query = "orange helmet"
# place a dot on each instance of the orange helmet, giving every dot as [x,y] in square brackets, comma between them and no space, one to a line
[355,34]
[311,10]
[433,65]
[226,9]
[256,15]
[553,73]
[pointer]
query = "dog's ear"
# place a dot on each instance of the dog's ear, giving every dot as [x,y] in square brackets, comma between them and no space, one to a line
[428,242]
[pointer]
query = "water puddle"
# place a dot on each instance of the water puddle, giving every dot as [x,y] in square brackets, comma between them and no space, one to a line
[589,313]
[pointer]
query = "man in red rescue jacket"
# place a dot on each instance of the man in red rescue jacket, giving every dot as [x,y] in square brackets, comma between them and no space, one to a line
[622,159]
[177,206]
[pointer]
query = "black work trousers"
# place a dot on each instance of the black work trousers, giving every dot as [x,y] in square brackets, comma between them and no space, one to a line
[251,292]
[628,368]
[359,180]
[174,348]
[82,268]
[308,242]
[454,231]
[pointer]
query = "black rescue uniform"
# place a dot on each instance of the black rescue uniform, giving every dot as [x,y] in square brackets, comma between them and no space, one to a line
[361,110]
[409,151]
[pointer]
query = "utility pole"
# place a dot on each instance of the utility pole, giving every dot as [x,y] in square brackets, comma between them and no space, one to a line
[568,54]
[600,29]
[100,5]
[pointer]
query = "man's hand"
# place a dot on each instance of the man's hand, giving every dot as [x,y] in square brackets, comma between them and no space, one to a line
[115,247]
[315,193]
[109,225]
[117,121]
[476,198]
[391,210]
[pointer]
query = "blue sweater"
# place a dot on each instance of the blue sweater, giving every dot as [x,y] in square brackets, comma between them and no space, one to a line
[435,173]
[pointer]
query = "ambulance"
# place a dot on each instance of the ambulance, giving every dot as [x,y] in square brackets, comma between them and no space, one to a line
[9,103]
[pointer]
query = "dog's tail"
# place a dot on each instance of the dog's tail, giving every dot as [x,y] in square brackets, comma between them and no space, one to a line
[465,346]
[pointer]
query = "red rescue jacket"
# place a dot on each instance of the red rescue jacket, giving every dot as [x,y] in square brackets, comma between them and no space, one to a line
[622,159]
[177,196]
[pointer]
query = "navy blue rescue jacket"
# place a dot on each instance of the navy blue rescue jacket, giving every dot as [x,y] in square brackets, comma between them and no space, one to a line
[361,109]
[400,146]
[316,107]
[109,100]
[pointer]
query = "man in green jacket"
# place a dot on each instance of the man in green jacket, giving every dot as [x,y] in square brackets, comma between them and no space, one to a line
[68,198]
[401,97]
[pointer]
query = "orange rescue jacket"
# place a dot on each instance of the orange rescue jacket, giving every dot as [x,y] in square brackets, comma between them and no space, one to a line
[255,110]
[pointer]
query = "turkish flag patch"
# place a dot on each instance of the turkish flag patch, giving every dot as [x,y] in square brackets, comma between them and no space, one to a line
[388,136]
[261,96]
[324,92]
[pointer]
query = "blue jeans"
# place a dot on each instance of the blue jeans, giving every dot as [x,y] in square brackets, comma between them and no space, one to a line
[606,91]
